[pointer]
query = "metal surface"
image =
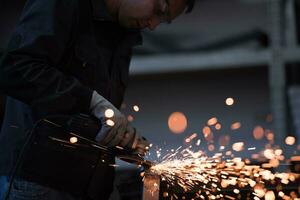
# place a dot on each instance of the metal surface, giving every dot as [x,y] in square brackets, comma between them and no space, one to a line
[290,24]
[121,153]
[277,77]
[142,65]
[198,61]
[137,160]
[151,187]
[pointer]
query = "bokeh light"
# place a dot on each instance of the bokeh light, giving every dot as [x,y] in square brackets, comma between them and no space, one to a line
[238,146]
[109,113]
[258,132]
[229,101]
[110,122]
[270,195]
[130,118]
[73,140]
[218,126]
[177,122]
[224,140]
[290,140]
[212,121]
[259,190]
[236,126]
[136,108]
[207,133]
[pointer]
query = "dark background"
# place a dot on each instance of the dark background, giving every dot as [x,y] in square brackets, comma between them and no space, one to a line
[245,49]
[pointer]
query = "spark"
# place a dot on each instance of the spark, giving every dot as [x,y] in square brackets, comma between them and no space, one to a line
[270,195]
[73,140]
[235,126]
[229,101]
[290,140]
[269,154]
[113,165]
[218,126]
[136,108]
[191,137]
[130,118]
[109,113]
[295,158]
[212,121]
[177,122]
[194,169]
[269,118]
[110,122]
[239,146]
[208,134]
[258,132]
[270,136]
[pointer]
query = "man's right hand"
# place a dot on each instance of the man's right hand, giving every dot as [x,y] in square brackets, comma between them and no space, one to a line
[116,130]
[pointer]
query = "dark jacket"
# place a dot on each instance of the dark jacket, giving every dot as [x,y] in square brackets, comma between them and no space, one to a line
[60,52]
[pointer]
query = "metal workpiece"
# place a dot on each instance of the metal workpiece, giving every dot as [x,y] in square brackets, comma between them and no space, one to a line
[151,189]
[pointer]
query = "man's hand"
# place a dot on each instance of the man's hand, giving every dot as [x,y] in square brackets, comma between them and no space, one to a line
[116,130]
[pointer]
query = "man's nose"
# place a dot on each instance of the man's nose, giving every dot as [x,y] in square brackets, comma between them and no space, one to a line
[153,23]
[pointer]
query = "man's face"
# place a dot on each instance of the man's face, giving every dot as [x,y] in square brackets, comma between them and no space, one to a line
[149,13]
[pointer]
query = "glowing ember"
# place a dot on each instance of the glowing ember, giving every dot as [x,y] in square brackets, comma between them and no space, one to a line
[290,140]
[207,133]
[187,140]
[269,154]
[177,122]
[236,126]
[190,170]
[278,152]
[229,101]
[224,140]
[212,121]
[109,113]
[222,175]
[110,122]
[73,140]
[239,146]
[236,191]
[211,147]
[269,118]
[136,108]
[218,126]
[165,194]
[270,195]
[258,132]
[130,118]
[190,138]
[281,194]
[270,136]
[259,190]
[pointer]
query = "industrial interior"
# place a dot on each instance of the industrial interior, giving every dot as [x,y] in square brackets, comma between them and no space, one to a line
[217,86]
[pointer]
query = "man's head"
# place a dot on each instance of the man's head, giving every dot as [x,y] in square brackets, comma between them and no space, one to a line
[148,13]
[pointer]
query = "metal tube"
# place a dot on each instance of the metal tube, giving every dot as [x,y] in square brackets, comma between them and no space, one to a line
[151,186]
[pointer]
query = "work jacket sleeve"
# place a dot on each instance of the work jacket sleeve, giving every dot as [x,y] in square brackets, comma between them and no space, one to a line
[31,69]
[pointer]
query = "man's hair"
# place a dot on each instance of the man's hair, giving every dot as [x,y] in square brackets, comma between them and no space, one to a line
[190,5]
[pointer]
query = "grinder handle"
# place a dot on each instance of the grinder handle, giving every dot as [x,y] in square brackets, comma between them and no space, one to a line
[87,127]
[84,125]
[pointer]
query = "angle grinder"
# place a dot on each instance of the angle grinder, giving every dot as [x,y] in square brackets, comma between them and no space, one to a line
[85,127]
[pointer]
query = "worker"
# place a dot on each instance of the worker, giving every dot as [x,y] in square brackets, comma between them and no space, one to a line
[68,57]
